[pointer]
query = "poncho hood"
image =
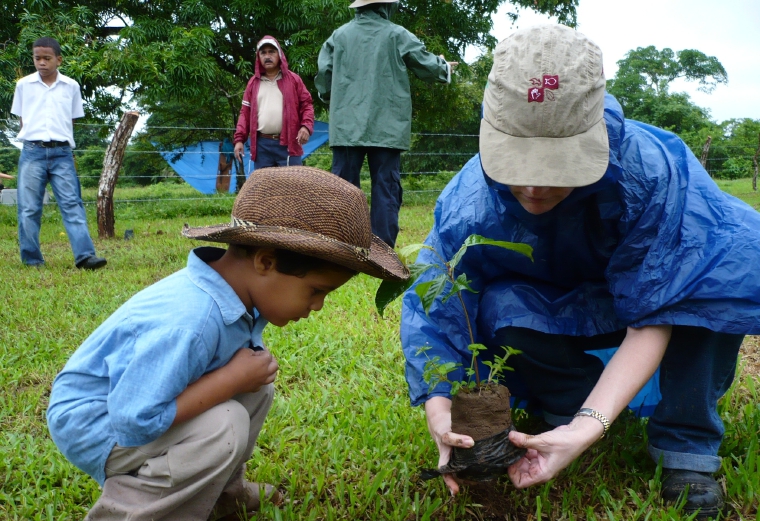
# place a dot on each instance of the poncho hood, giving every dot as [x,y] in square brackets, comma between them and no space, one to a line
[258,69]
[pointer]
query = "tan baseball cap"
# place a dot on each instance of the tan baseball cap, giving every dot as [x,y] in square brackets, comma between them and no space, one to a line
[543,110]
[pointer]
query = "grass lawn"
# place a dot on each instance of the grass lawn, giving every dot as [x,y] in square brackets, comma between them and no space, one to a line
[341,437]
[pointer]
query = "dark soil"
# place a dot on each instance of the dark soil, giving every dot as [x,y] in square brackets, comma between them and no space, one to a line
[481,412]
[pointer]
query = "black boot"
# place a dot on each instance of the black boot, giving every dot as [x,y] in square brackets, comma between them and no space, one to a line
[704,495]
[91,263]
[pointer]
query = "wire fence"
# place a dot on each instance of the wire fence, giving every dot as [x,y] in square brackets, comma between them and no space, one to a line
[455,159]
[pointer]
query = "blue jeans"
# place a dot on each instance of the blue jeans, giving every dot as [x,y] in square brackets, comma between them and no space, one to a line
[555,373]
[37,167]
[385,173]
[269,152]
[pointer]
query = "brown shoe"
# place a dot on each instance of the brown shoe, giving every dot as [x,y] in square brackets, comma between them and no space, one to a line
[229,507]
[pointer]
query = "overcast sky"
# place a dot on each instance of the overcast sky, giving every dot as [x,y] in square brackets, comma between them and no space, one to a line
[728,30]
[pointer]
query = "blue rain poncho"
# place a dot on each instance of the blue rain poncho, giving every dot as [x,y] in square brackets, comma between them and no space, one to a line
[654,241]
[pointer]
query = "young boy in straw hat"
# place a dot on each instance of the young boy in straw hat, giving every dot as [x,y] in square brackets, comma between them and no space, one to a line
[163,403]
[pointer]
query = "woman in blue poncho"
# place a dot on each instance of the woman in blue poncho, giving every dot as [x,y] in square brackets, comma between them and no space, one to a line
[634,246]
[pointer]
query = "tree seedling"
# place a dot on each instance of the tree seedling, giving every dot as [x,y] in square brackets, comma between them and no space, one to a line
[448,284]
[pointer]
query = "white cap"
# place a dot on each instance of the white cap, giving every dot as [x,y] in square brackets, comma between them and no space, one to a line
[543,110]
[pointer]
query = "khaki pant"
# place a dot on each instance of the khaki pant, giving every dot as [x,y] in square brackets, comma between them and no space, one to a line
[182,474]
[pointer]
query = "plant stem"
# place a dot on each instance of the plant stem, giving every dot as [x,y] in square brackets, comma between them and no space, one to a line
[472,337]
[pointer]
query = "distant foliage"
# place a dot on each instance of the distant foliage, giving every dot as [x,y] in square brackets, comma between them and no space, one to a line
[642,86]
[200,53]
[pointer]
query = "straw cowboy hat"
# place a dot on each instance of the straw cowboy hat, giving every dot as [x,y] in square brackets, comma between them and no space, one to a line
[308,211]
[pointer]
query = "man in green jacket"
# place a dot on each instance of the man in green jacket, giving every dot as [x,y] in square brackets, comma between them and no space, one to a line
[363,73]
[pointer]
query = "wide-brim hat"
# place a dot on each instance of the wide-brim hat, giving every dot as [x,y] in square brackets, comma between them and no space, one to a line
[362,3]
[543,110]
[308,211]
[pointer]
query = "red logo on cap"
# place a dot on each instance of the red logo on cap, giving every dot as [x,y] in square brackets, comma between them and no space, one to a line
[541,88]
[551,82]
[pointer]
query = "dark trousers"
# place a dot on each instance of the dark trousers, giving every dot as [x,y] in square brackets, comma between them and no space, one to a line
[385,174]
[685,429]
[269,152]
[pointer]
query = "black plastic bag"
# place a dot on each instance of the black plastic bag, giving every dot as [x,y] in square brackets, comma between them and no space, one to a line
[487,459]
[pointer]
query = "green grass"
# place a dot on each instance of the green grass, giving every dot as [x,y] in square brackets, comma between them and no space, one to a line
[341,437]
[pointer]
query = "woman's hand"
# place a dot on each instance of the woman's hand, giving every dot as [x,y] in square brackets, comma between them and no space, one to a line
[626,373]
[550,452]
[438,413]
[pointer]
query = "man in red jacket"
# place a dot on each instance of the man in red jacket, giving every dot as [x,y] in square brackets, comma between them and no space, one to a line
[277,111]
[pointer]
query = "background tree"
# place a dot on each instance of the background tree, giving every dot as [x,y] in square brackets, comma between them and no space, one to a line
[200,52]
[643,80]
[732,150]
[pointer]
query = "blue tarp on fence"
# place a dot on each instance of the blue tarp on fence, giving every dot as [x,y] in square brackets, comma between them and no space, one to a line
[199,164]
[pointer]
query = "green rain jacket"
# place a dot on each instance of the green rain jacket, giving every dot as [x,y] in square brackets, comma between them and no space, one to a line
[363,73]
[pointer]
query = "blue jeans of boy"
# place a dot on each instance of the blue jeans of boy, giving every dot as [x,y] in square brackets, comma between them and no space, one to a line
[685,430]
[385,173]
[37,167]
[269,152]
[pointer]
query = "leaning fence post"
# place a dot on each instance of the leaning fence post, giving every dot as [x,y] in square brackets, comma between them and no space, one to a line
[705,150]
[754,160]
[111,165]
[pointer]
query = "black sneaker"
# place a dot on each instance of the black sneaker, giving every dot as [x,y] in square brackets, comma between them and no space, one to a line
[704,495]
[91,263]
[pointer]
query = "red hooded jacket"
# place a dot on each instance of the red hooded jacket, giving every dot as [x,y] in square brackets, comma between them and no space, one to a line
[297,107]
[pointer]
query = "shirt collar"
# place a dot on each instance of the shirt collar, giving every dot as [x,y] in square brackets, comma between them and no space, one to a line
[209,280]
[58,78]
[278,77]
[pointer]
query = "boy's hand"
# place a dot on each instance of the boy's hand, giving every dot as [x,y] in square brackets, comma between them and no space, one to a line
[246,372]
[250,369]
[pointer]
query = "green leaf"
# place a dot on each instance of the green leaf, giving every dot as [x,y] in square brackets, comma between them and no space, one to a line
[479,240]
[390,290]
[423,349]
[461,283]
[430,290]
[458,255]
[407,252]
[445,368]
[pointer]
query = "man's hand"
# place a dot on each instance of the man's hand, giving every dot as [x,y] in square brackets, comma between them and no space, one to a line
[438,413]
[239,151]
[248,370]
[5,176]
[451,64]
[303,136]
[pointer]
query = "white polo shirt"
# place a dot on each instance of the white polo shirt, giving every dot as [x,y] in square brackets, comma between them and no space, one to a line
[46,112]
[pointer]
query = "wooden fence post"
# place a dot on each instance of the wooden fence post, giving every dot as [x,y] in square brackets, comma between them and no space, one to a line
[705,150]
[754,160]
[111,165]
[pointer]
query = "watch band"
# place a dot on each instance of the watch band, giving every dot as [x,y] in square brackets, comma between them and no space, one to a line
[595,414]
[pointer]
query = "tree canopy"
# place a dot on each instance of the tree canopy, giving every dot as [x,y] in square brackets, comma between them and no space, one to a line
[161,54]
[642,86]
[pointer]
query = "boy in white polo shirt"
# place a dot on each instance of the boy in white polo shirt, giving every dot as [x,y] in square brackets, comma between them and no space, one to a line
[46,103]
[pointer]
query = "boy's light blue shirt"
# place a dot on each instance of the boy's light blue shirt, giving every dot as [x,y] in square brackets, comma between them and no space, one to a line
[121,385]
